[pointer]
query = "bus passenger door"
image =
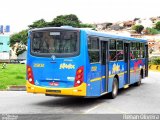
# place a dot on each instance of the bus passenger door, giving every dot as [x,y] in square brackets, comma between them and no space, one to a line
[127,62]
[104,66]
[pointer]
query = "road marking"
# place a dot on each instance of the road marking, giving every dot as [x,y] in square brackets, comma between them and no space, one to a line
[89,110]
[115,109]
[109,106]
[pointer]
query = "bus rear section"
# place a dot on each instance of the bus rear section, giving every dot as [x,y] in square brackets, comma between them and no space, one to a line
[52,66]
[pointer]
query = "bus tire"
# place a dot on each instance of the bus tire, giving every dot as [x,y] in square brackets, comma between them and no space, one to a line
[114,92]
[138,83]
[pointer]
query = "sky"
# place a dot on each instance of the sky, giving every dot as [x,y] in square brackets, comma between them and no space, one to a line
[21,13]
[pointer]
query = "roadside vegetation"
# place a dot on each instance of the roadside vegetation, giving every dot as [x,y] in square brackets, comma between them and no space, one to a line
[155,61]
[148,31]
[13,74]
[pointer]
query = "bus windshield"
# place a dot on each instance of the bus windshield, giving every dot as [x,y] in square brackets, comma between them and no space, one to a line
[59,43]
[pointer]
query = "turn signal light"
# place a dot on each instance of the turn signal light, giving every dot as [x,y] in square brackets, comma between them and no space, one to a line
[30,75]
[79,76]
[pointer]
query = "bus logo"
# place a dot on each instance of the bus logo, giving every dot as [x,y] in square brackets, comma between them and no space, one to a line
[53,57]
[66,66]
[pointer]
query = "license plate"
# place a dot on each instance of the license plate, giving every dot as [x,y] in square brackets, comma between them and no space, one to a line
[55,91]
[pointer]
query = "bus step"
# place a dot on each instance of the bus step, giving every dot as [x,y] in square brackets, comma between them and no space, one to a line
[126,86]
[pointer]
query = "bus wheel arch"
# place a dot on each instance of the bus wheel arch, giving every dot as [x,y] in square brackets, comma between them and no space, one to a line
[116,76]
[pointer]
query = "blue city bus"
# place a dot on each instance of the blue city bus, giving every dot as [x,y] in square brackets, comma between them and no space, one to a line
[67,61]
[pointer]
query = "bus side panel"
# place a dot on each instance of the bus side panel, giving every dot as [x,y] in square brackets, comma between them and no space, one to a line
[103,70]
[141,65]
[132,72]
[116,68]
[94,80]
[136,66]
[121,74]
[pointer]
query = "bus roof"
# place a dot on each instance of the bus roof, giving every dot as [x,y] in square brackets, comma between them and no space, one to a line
[89,31]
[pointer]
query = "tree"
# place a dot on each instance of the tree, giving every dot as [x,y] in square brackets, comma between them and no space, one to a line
[38,24]
[138,28]
[21,39]
[61,20]
[20,49]
[157,25]
[71,20]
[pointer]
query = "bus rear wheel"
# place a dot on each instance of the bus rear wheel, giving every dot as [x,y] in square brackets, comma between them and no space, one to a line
[138,83]
[114,89]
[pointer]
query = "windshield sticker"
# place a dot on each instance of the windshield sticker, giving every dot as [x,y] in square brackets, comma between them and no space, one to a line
[66,66]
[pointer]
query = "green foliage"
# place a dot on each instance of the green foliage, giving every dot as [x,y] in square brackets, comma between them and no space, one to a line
[155,61]
[14,74]
[70,20]
[38,24]
[157,25]
[19,37]
[82,25]
[138,28]
[61,20]
[152,31]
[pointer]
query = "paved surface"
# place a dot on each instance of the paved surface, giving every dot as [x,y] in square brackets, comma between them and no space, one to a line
[142,99]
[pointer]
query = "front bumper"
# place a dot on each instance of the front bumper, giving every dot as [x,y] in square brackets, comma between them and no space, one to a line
[74,91]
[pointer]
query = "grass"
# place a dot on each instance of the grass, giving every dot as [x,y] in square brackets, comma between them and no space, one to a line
[13,74]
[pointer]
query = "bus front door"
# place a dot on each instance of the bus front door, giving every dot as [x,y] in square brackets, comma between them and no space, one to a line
[127,62]
[104,68]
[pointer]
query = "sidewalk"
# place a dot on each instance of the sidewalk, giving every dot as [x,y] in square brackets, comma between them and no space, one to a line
[16,88]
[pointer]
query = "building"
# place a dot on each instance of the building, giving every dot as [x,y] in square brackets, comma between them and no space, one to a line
[4,47]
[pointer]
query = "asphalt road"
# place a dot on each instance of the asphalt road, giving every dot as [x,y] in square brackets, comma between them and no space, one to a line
[143,99]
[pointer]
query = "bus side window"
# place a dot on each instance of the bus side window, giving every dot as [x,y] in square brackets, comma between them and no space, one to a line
[112,51]
[93,49]
[142,50]
[120,51]
[112,56]
[132,50]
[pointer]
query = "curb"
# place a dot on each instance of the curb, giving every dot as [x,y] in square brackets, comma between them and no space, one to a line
[16,88]
[154,67]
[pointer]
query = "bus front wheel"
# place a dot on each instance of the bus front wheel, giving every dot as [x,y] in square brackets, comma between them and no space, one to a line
[114,89]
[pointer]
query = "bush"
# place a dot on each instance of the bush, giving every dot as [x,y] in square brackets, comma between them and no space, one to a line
[155,61]
[82,25]
[138,28]
[152,31]
[158,25]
